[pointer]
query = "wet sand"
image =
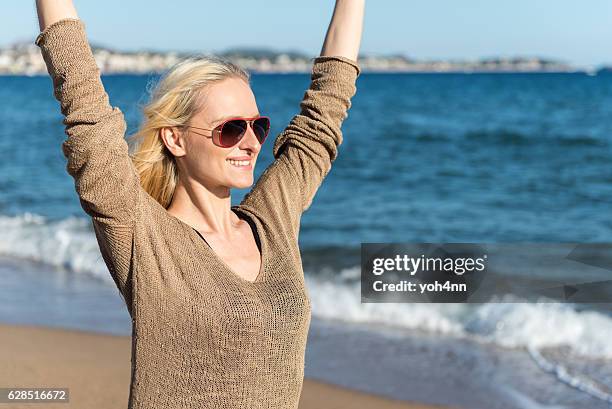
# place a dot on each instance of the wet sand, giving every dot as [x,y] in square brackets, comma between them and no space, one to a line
[96,369]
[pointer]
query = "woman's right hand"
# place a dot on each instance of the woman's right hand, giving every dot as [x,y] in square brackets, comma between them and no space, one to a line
[51,11]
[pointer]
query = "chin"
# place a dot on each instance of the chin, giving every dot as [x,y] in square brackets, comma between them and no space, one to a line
[243,184]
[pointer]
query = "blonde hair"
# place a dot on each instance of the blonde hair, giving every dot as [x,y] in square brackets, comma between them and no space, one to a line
[173,102]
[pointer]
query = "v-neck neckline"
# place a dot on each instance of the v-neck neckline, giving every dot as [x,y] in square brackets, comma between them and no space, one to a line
[256,230]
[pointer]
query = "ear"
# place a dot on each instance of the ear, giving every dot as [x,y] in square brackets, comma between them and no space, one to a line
[173,139]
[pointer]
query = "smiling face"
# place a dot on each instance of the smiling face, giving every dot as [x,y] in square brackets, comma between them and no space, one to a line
[208,163]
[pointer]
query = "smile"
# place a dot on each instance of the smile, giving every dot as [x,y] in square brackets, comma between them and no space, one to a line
[242,164]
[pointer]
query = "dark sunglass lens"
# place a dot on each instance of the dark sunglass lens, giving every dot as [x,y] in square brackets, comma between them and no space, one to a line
[232,132]
[261,127]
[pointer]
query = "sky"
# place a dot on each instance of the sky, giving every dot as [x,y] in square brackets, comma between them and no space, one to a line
[573,31]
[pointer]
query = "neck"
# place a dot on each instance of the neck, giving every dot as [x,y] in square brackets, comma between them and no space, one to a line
[205,210]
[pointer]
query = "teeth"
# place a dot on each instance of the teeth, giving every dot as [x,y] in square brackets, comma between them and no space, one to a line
[239,162]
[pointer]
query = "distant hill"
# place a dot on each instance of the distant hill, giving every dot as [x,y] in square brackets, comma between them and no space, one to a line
[25,59]
[604,70]
[259,53]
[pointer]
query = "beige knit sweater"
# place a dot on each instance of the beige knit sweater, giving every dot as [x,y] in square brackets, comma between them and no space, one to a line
[202,336]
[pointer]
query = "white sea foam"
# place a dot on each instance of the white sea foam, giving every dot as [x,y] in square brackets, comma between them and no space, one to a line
[71,244]
[68,243]
[543,324]
[507,324]
[575,380]
[337,299]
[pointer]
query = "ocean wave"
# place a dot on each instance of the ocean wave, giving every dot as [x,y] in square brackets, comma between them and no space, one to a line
[70,244]
[575,380]
[506,324]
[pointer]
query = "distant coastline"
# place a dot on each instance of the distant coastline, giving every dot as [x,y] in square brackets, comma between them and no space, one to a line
[25,59]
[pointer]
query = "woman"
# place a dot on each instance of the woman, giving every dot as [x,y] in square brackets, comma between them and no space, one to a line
[216,292]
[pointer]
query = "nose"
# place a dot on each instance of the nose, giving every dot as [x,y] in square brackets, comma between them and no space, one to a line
[250,139]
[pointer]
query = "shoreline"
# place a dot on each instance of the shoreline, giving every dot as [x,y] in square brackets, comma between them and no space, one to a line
[96,369]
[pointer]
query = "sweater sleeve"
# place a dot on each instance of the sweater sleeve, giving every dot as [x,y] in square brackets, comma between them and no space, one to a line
[105,179]
[305,149]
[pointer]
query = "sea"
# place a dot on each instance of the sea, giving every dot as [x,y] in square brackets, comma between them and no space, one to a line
[426,158]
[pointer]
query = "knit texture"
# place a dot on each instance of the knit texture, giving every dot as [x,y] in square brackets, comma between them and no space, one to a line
[202,336]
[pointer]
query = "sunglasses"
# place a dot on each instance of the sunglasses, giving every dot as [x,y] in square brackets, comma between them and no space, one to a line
[232,130]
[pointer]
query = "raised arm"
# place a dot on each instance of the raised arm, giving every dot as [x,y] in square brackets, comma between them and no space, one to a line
[305,150]
[51,11]
[344,33]
[97,153]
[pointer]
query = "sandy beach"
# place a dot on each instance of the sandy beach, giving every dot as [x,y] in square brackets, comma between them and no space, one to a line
[96,370]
